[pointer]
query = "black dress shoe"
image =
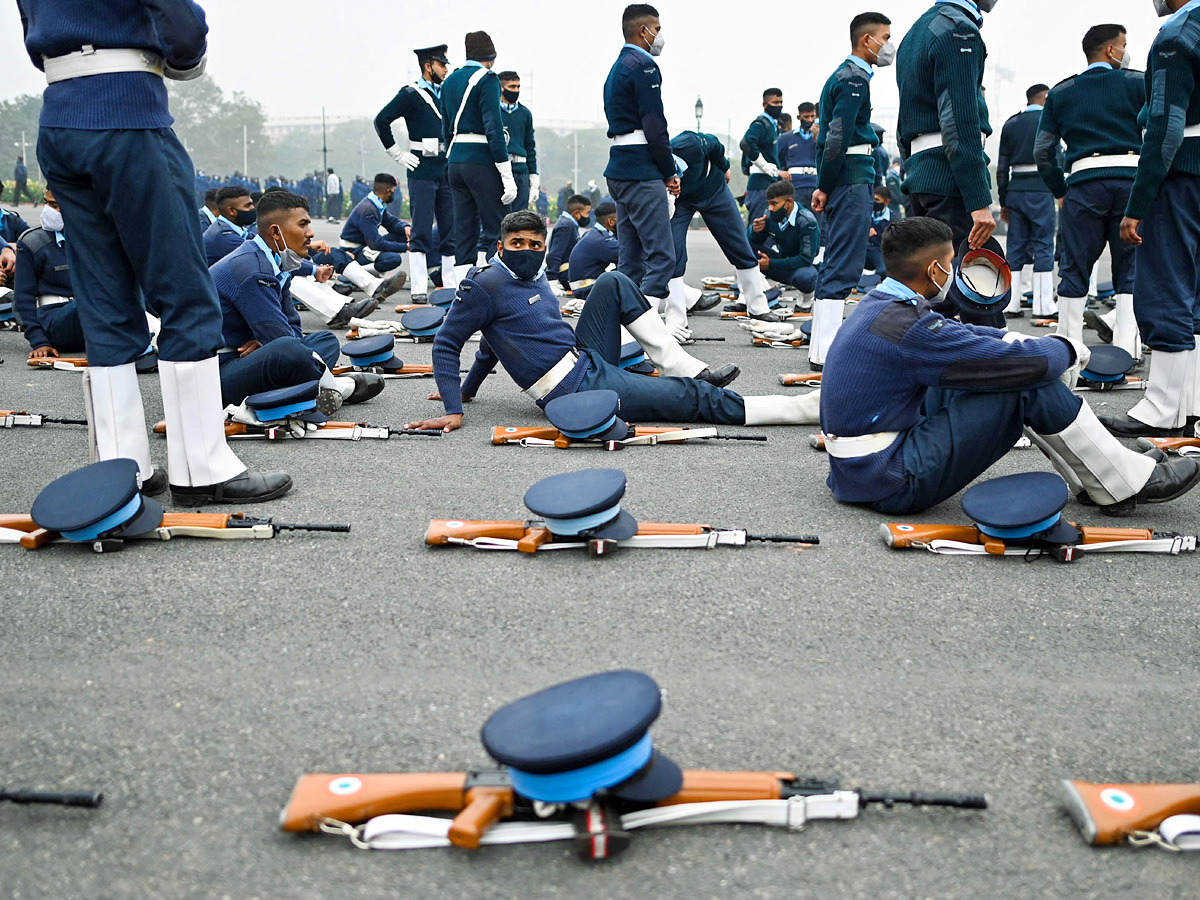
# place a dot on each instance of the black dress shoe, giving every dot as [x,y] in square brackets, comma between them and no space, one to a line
[1128,426]
[344,288]
[419,298]
[366,386]
[390,286]
[708,299]
[155,484]
[816,367]
[765,317]
[1098,325]
[1019,314]
[354,309]
[1168,481]
[735,307]
[720,377]
[251,486]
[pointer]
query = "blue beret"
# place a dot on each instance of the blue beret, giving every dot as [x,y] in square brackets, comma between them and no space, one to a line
[424,321]
[297,400]
[588,415]
[100,500]
[1108,364]
[1020,506]
[568,742]
[585,503]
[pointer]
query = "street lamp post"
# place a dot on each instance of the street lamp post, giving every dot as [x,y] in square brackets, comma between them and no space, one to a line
[699,111]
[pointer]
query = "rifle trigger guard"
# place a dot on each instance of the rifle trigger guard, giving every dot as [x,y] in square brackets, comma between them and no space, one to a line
[1150,839]
[333,826]
[797,813]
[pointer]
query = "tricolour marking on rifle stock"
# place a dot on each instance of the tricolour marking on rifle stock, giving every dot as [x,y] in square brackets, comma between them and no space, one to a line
[1119,801]
[345,785]
[904,528]
[454,523]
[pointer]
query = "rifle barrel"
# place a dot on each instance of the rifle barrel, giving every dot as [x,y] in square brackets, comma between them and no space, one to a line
[710,340]
[784,538]
[339,528]
[918,798]
[738,437]
[89,800]
[64,421]
[423,432]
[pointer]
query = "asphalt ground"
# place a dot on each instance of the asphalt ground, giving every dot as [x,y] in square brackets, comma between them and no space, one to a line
[194,681]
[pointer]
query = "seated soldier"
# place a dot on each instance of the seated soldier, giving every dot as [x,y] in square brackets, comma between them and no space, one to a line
[12,226]
[596,252]
[565,235]
[8,263]
[787,240]
[881,220]
[44,299]
[372,235]
[916,406]
[209,211]
[233,223]
[512,304]
[265,348]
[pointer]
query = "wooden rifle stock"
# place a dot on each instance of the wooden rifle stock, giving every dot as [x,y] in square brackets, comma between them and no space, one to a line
[903,536]
[47,362]
[1109,813]
[442,530]
[485,807]
[406,369]
[806,379]
[510,435]
[37,538]
[1167,445]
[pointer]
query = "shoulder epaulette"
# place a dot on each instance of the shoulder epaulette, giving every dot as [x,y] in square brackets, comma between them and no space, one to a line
[34,239]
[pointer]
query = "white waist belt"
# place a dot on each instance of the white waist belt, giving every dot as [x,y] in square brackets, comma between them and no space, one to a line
[931,141]
[46,300]
[90,61]
[855,447]
[860,150]
[1024,170]
[633,139]
[513,158]
[1111,161]
[582,283]
[552,379]
[802,170]
[350,245]
[467,138]
[1192,131]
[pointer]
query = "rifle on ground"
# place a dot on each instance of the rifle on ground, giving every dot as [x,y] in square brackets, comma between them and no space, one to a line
[549,436]
[532,536]
[375,811]
[52,798]
[335,431]
[968,540]
[768,342]
[13,419]
[221,526]
[65,363]
[791,317]
[1143,814]
[408,370]
[1178,446]
[800,379]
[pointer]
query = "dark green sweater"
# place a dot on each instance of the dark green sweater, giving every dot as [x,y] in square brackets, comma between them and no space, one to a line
[845,123]
[939,70]
[1173,83]
[1096,113]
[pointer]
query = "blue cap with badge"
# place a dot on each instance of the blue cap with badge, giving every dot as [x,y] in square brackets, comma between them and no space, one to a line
[98,501]
[1024,507]
[585,504]
[588,416]
[373,352]
[442,297]
[1107,367]
[569,742]
[633,359]
[424,321]
[296,402]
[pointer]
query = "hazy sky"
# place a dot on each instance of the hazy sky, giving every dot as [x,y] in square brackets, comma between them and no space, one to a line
[296,55]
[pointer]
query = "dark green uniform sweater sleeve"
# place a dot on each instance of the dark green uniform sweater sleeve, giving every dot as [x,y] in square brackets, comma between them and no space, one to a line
[839,128]
[957,61]
[1172,80]
[1045,150]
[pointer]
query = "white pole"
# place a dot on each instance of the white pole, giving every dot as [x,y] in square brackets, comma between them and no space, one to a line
[245,165]
[362,157]
[576,182]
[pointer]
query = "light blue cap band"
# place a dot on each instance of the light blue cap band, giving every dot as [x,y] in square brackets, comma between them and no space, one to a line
[371,360]
[599,429]
[1024,531]
[1092,376]
[568,527]
[582,784]
[108,523]
[282,412]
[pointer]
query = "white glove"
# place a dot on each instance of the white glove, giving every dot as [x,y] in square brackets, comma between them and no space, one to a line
[535,184]
[778,335]
[681,333]
[769,169]
[1015,337]
[507,182]
[777,328]
[1083,355]
[185,74]
[406,158]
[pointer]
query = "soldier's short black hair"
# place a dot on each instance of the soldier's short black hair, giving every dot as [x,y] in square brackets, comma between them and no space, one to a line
[231,193]
[772,92]
[508,75]
[279,200]
[1035,90]
[210,196]
[864,22]
[784,119]
[633,14]
[884,192]
[1100,36]
[806,107]
[906,241]
[386,179]
[522,220]
[780,189]
[606,209]
[577,202]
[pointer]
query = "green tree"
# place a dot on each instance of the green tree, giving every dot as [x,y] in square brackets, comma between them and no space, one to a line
[210,124]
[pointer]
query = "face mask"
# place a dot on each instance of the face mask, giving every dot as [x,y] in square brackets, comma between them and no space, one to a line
[988,5]
[781,214]
[511,96]
[879,206]
[583,221]
[775,111]
[805,126]
[1163,8]
[944,290]
[245,217]
[885,55]
[527,265]
[1126,57]
[289,259]
[52,219]
[657,43]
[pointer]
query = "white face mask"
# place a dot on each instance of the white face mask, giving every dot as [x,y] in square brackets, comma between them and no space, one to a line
[657,44]
[289,259]
[885,55]
[1124,61]
[1163,8]
[52,219]
[944,290]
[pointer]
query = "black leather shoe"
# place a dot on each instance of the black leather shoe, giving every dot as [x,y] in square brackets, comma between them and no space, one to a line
[720,377]
[344,288]
[1019,314]
[708,299]
[816,367]
[251,486]
[735,307]
[1168,481]
[1093,321]
[155,484]
[1128,426]
[419,298]
[329,401]
[390,286]
[765,317]
[366,386]
[355,309]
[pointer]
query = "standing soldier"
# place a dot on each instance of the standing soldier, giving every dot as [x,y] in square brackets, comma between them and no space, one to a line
[125,187]
[428,189]
[522,148]
[481,177]
[640,160]
[21,188]
[760,151]
[1163,221]
[943,122]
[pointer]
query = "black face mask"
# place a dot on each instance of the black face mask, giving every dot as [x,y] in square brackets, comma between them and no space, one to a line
[805,126]
[775,111]
[781,214]
[510,96]
[525,264]
[245,217]
[880,206]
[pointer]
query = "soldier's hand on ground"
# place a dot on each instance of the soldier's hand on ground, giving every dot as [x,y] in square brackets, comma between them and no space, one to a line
[984,225]
[1129,231]
[819,199]
[445,423]
[43,353]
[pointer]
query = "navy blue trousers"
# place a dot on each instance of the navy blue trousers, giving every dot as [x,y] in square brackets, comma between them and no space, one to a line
[1091,218]
[1166,298]
[63,329]
[756,204]
[848,219]
[431,201]
[1032,221]
[384,262]
[644,232]
[875,260]
[950,210]
[803,278]
[615,300]
[128,198]
[283,362]
[476,190]
[724,220]
[963,433]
